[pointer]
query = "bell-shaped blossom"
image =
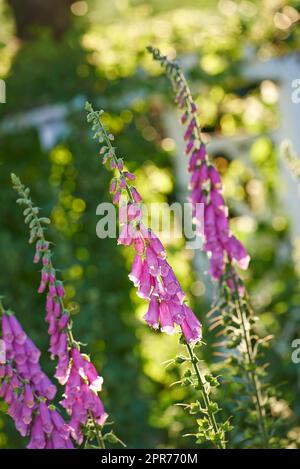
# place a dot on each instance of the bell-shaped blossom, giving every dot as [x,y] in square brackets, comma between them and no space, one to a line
[81,395]
[28,392]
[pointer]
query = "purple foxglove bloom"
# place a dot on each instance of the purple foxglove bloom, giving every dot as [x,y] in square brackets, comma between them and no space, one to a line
[184,117]
[62,369]
[9,371]
[46,421]
[152,316]
[38,440]
[22,427]
[116,197]
[26,414]
[214,177]
[217,263]
[136,270]
[52,289]
[47,388]
[42,287]
[152,260]
[216,199]
[49,304]
[189,146]
[222,227]
[20,355]
[57,440]
[36,258]
[15,410]
[237,252]
[15,383]
[138,242]
[76,432]
[53,326]
[57,309]
[190,129]
[191,327]
[63,322]
[78,360]
[126,235]
[113,164]
[171,284]
[52,277]
[2,371]
[45,275]
[9,394]
[23,370]
[134,212]
[60,289]
[177,311]
[157,246]
[113,186]
[136,196]
[34,372]
[28,396]
[129,176]
[46,261]
[3,387]
[54,342]
[122,183]
[164,267]
[196,157]
[195,179]
[79,410]
[96,384]
[166,320]
[32,352]
[145,284]
[19,334]
[203,173]
[62,349]
[59,424]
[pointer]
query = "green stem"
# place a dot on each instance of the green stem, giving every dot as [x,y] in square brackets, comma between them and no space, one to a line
[71,340]
[251,373]
[211,416]
[41,236]
[98,432]
[113,153]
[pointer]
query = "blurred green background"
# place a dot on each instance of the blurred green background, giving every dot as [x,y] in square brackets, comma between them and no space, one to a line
[53,56]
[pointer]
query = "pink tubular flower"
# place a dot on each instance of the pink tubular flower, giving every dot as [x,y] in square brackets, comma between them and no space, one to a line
[126,235]
[237,252]
[206,187]
[80,397]
[190,326]
[136,196]
[6,330]
[27,390]
[166,320]
[152,316]
[74,371]
[19,335]
[151,274]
